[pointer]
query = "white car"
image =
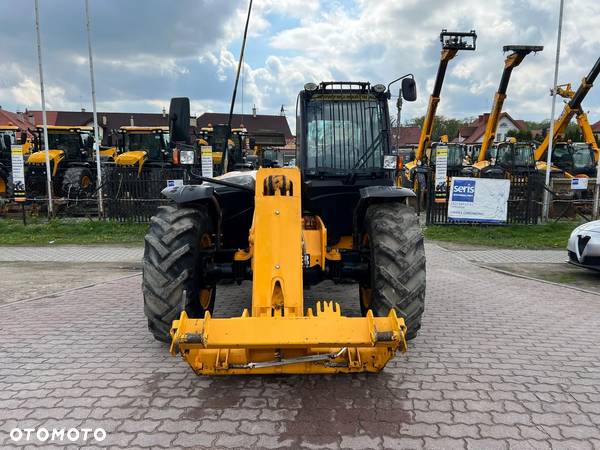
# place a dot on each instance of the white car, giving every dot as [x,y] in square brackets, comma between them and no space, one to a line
[584,245]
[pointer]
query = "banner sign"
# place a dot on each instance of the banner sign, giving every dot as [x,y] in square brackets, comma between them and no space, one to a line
[206,161]
[579,183]
[18,173]
[441,173]
[173,183]
[478,200]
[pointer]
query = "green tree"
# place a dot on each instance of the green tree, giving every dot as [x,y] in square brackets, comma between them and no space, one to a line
[520,135]
[441,125]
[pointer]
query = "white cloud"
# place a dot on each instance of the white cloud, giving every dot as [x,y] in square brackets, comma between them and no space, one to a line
[295,41]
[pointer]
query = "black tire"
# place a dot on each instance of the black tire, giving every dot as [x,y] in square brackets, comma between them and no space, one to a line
[397,264]
[5,183]
[78,182]
[174,264]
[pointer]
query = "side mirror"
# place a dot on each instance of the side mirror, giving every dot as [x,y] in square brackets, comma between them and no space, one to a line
[409,89]
[23,138]
[179,119]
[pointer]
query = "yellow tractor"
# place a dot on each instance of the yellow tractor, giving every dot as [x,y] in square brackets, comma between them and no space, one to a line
[8,137]
[144,148]
[338,216]
[72,165]
[217,137]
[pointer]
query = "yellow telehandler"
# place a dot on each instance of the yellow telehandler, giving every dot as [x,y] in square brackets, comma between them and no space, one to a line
[487,164]
[337,216]
[412,174]
[563,162]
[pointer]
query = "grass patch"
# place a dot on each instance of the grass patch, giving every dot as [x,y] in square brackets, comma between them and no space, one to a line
[61,232]
[547,236]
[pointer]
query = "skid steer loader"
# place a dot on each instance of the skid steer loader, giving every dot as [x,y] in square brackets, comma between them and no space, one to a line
[338,216]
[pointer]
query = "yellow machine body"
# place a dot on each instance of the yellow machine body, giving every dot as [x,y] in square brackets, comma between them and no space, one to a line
[131,159]
[55,156]
[277,336]
[110,152]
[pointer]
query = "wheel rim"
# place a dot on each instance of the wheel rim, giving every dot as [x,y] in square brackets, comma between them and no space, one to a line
[85,182]
[365,291]
[365,297]
[205,297]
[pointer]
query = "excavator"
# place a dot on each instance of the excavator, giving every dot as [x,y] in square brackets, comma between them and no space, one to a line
[337,216]
[518,53]
[563,153]
[452,43]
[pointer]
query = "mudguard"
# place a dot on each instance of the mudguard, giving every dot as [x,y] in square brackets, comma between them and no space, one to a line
[377,194]
[189,193]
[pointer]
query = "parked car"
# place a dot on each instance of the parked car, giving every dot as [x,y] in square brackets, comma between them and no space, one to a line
[584,245]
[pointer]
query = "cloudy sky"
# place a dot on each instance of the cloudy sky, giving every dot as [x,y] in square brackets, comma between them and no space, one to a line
[146,52]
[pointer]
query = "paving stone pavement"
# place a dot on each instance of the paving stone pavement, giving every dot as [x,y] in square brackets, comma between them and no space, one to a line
[501,362]
[72,253]
[503,256]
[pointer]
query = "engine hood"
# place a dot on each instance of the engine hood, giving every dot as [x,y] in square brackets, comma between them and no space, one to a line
[40,157]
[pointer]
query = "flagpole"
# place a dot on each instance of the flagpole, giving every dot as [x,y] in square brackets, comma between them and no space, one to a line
[44,119]
[96,137]
[553,111]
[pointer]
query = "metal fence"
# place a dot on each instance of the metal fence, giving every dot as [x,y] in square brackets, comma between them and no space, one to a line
[127,196]
[133,196]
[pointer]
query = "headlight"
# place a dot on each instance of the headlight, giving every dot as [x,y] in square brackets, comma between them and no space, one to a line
[311,87]
[380,88]
[186,157]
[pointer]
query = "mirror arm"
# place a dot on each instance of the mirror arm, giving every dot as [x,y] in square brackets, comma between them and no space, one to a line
[400,78]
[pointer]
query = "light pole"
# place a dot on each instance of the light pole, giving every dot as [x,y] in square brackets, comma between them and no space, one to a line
[552,112]
[399,106]
[44,119]
[96,138]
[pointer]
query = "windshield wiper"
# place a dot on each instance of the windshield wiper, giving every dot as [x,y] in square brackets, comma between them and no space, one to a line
[370,150]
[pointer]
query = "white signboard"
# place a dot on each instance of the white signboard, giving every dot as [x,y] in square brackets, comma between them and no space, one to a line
[441,173]
[18,172]
[478,200]
[206,161]
[173,183]
[579,183]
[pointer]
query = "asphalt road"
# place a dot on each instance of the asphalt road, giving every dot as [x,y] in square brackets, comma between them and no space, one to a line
[501,362]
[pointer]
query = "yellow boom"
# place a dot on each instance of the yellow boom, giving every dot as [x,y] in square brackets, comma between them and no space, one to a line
[572,108]
[452,42]
[518,53]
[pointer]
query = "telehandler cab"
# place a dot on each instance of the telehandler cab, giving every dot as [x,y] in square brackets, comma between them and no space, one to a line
[338,216]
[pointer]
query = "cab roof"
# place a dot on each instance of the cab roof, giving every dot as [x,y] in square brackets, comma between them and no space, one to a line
[65,128]
[129,129]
